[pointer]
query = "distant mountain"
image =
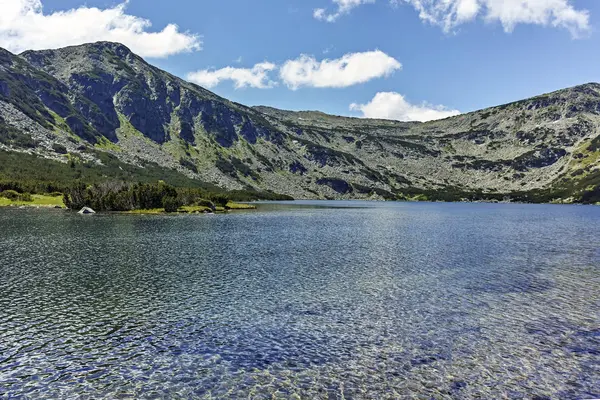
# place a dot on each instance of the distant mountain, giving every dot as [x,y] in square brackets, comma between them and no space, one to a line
[81,102]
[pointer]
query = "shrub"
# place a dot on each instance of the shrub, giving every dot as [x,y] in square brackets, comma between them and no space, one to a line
[206,203]
[189,164]
[170,204]
[11,136]
[10,194]
[59,148]
[220,200]
[25,197]
[16,196]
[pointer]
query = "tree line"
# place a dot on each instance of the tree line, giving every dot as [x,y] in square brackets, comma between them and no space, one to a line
[121,196]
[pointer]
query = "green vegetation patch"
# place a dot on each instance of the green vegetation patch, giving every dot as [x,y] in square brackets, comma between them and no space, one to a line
[239,206]
[30,173]
[105,144]
[59,148]
[11,136]
[119,196]
[234,165]
[36,200]
[594,144]
[189,164]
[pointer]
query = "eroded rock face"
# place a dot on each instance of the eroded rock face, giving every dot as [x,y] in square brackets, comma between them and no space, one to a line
[143,113]
[339,185]
[4,89]
[298,168]
[538,159]
[220,122]
[112,80]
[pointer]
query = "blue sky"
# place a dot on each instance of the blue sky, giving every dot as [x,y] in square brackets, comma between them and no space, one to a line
[478,54]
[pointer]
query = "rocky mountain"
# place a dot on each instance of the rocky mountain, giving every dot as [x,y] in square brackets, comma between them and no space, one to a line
[80,102]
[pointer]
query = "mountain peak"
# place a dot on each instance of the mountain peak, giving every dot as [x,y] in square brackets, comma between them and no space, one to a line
[118,48]
[88,57]
[111,45]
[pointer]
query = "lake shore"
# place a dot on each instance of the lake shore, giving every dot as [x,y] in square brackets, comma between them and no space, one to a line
[51,202]
[56,201]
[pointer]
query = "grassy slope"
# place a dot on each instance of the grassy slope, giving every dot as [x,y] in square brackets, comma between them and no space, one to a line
[36,173]
[39,175]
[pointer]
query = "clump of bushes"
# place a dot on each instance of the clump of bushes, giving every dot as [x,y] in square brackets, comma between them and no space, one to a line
[11,136]
[10,194]
[171,204]
[220,199]
[59,148]
[16,196]
[206,203]
[189,164]
[594,144]
[25,197]
[120,196]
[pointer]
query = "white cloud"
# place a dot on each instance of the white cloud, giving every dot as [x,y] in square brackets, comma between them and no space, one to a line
[392,105]
[256,77]
[557,13]
[343,7]
[449,14]
[349,70]
[24,26]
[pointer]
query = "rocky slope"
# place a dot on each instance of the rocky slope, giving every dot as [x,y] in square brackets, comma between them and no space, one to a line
[102,97]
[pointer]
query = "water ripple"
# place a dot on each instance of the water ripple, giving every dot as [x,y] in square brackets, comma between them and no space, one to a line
[442,301]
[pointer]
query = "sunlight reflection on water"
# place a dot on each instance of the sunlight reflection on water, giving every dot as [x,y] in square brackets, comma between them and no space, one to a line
[377,300]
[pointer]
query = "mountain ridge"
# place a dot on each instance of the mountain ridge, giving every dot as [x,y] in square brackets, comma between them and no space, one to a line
[101,97]
[263,108]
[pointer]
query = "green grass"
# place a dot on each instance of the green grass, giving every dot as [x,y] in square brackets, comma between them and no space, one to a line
[105,144]
[38,201]
[61,126]
[143,212]
[240,206]
[230,206]
[126,129]
[181,210]
[195,209]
